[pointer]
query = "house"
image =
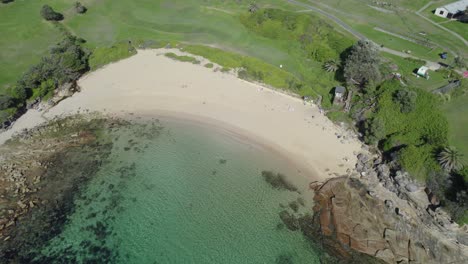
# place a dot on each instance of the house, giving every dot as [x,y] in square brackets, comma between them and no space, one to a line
[339,94]
[451,10]
[423,72]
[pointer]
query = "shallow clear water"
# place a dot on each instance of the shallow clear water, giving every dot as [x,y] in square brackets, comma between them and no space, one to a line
[190,195]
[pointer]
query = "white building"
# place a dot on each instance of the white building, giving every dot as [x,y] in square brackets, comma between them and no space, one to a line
[452,9]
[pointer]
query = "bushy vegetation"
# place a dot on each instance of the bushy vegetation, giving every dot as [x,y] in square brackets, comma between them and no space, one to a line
[250,68]
[65,63]
[408,121]
[313,36]
[6,1]
[183,58]
[49,14]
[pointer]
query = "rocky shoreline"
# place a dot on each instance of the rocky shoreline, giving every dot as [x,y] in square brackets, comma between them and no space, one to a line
[383,213]
[42,171]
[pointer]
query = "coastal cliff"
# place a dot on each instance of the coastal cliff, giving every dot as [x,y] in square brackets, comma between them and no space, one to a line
[387,216]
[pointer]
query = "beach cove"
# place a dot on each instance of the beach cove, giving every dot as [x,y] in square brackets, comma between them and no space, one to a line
[216,167]
[149,83]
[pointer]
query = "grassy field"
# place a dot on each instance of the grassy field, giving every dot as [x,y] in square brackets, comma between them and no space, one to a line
[457,114]
[398,18]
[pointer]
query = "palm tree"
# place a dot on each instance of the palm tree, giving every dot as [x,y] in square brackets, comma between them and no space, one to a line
[450,159]
[253,7]
[331,65]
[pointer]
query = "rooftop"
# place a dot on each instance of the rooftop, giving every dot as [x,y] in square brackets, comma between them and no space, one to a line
[456,7]
[340,89]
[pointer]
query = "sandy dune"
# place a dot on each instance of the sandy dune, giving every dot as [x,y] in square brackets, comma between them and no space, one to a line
[150,83]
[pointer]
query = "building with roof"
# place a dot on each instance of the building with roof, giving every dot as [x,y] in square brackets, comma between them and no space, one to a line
[339,92]
[423,71]
[451,10]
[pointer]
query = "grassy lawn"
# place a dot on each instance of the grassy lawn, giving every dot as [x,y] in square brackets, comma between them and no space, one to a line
[407,66]
[457,27]
[457,114]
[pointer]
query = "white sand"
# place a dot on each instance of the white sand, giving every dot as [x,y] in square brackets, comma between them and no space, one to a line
[150,83]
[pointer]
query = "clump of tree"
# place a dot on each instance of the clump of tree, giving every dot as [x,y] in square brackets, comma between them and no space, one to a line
[65,63]
[49,14]
[362,64]
[79,8]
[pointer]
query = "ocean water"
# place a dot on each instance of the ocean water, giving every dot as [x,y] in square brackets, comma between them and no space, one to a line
[185,193]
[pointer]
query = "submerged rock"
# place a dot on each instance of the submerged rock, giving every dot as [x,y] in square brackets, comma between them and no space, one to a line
[278,181]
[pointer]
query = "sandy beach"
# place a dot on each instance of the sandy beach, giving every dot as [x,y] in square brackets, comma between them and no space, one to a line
[149,83]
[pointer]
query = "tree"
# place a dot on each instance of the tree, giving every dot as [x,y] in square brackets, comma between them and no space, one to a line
[450,159]
[253,7]
[362,64]
[49,14]
[331,65]
[407,100]
[79,8]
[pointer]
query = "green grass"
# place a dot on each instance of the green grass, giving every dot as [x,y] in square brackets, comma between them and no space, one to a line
[182,58]
[457,113]
[256,69]
[457,27]
[104,55]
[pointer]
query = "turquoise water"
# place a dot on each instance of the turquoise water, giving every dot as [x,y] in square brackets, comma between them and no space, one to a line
[190,195]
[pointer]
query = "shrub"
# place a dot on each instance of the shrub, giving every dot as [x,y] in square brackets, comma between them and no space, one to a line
[406,99]
[49,14]
[79,8]
[6,1]
[183,58]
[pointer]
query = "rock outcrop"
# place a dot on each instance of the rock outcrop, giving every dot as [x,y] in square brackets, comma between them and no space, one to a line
[387,216]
